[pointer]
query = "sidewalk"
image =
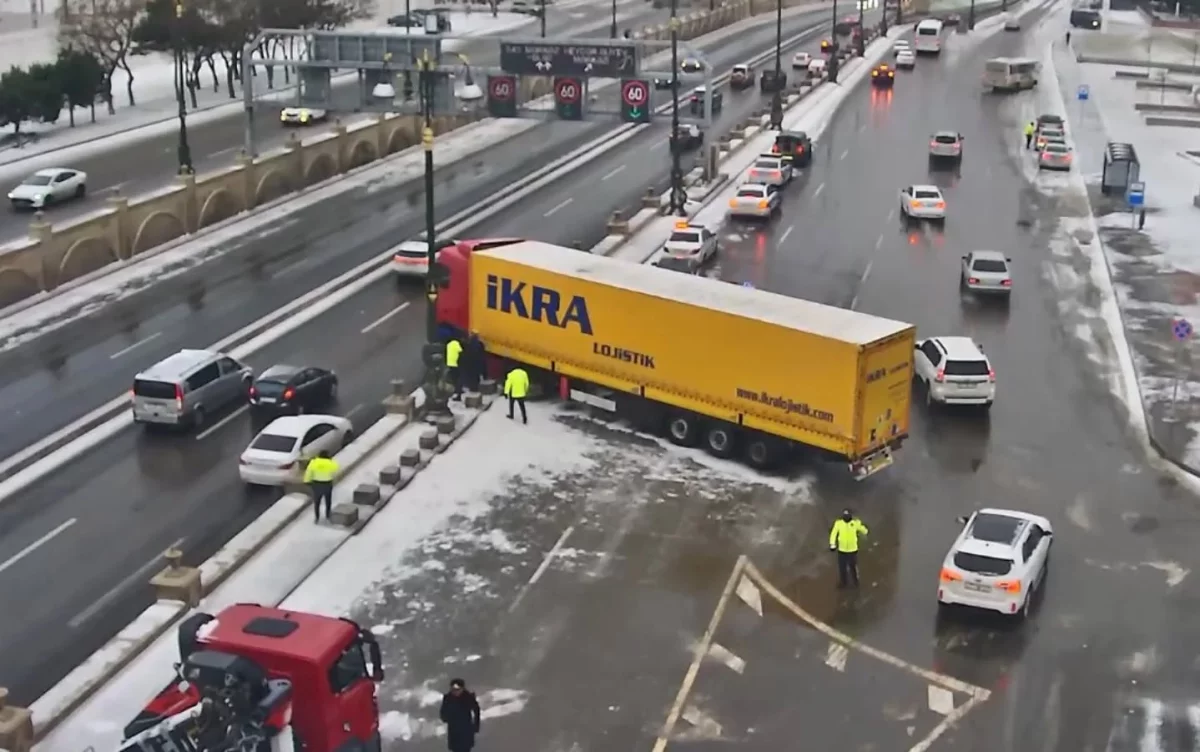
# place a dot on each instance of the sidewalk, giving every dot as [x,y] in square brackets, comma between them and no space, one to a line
[1155,272]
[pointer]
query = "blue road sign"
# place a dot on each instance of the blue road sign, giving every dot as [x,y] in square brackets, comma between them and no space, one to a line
[1083,92]
[1136,194]
[1182,329]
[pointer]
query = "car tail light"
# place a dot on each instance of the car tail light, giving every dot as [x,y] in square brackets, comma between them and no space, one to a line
[1006,282]
[940,376]
[775,149]
[949,575]
[992,375]
[1009,586]
[243,461]
[178,397]
[733,203]
[253,391]
[934,144]
[915,204]
[288,466]
[289,393]
[799,149]
[940,204]
[763,204]
[972,280]
[776,174]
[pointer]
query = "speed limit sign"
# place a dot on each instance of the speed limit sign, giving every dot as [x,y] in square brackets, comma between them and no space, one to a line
[500,87]
[568,97]
[502,96]
[635,93]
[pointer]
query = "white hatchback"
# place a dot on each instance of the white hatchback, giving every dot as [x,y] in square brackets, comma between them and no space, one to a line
[281,451]
[954,371]
[923,202]
[906,58]
[997,563]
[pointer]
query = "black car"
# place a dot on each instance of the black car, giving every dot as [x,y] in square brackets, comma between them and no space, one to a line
[769,83]
[284,388]
[663,84]
[794,147]
[687,137]
[883,76]
[1050,121]
[952,20]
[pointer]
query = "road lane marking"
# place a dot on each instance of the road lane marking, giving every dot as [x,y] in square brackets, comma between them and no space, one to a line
[785,234]
[353,410]
[558,207]
[892,214]
[541,570]
[861,281]
[941,700]
[878,242]
[836,655]
[134,346]
[820,188]
[384,318]
[37,544]
[846,152]
[719,652]
[136,577]
[223,152]
[689,679]
[612,174]
[221,423]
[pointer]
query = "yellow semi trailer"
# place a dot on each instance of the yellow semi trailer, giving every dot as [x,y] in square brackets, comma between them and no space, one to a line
[704,361]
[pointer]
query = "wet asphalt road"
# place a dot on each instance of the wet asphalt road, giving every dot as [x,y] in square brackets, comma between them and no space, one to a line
[103,354]
[142,492]
[150,164]
[598,647]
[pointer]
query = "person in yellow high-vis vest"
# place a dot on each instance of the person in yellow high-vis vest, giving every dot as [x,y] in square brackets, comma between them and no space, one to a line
[320,474]
[516,388]
[843,538]
[454,350]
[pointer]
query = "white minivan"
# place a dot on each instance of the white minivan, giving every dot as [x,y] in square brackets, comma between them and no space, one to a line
[1011,73]
[928,37]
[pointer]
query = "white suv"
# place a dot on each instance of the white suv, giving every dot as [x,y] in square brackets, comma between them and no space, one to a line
[998,562]
[954,371]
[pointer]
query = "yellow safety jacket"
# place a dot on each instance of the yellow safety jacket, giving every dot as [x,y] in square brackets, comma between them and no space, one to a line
[453,352]
[1030,129]
[321,470]
[844,535]
[516,384]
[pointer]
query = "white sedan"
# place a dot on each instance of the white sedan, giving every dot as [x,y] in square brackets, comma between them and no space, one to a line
[801,60]
[411,257]
[281,451]
[755,200]
[906,59]
[301,116]
[998,562]
[923,202]
[50,186]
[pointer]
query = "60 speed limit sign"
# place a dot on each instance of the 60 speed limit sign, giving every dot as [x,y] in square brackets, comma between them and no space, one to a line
[568,90]
[635,93]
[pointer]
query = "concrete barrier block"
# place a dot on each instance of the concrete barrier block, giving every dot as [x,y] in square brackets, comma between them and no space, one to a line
[650,200]
[389,475]
[410,458]
[487,386]
[366,494]
[428,440]
[177,582]
[344,515]
[445,425]
[16,726]
[395,405]
[473,401]
[399,388]
[617,225]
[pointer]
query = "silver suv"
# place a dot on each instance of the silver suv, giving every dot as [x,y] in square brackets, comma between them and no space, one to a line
[187,387]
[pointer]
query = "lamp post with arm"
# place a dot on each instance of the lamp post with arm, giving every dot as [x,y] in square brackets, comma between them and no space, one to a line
[777,96]
[183,150]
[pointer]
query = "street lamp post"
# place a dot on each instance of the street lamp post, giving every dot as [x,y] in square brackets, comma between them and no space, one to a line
[971,17]
[183,151]
[678,200]
[862,31]
[612,30]
[777,96]
[425,87]
[834,48]
[542,16]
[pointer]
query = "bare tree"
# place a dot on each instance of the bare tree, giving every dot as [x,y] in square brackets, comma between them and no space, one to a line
[103,29]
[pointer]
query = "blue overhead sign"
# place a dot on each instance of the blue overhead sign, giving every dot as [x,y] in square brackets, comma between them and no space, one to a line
[1182,329]
[1083,92]
[1136,194]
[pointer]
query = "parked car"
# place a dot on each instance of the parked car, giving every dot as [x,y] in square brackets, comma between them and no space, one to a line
[280,452]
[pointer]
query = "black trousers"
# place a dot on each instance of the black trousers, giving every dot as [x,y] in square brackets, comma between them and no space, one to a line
[518,401]
[1028,140]
[847,569]
[321,490]
[455,376]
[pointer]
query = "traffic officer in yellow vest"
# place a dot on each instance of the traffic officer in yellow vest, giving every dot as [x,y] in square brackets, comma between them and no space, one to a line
[454,350]
[322,470]
[516,388]
[1030,131]
[843,538]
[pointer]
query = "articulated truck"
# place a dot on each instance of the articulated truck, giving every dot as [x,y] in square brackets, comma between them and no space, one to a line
[734,369]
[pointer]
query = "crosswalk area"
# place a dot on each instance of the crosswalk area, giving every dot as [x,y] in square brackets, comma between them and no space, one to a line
[1150,724]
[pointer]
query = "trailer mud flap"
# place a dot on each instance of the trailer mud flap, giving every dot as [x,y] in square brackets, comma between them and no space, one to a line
[872,463]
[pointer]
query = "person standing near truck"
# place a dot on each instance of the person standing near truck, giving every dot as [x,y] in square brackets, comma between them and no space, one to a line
[843,538]
[454,351]
[460,712]
[516,388]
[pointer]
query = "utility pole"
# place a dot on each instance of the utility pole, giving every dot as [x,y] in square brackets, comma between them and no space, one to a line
[425,87]
[860,45]
[678,196]
[971,17]
[542,16]
[834,48]
[777,97]
[184,150]
[612,31]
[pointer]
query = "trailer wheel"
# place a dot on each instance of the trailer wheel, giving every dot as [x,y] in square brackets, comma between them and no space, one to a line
[720,440]
[682,428]
[761,452]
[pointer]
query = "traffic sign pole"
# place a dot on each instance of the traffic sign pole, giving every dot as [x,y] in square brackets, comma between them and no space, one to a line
[1182,331]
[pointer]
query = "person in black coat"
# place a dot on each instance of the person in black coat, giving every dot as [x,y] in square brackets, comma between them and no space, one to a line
[475,357]
[460,713]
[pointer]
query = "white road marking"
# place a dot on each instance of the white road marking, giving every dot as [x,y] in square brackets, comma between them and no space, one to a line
[878,242]
[37,544]
[891,214]
[221,423]
[113,187]
[836,655]
[723,654]
[353,410]
[846,152]
[785,234]
[384,318]
[136,577]
[134,346]
[614,173]
[750,595]
[541,570]
[558,207]
[223,152]
[941,700]
[704,725]
[820,188]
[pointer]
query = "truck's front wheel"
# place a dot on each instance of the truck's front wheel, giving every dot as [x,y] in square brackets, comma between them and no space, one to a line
[682,428]
[720,440]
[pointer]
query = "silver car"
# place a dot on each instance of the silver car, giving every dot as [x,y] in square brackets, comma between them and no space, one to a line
[946,145]
[986,272]
[770,169]
[1055,155]
[755,200]
[187,387]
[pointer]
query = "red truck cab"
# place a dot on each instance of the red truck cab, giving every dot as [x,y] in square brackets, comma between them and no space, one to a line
[331,664]
[454,299]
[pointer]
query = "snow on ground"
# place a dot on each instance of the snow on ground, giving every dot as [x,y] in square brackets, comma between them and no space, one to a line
[1127,35]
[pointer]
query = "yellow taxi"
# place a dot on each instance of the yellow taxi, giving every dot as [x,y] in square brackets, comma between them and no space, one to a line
[883,75]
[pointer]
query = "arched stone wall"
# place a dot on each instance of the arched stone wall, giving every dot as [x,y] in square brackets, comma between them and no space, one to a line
[362,153]
[219,205]
[322,168]
[156,229]
[16,285]
[400,139]
[272,185]
[84,256]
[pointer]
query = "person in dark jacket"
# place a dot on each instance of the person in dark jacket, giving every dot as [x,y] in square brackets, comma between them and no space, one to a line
[460,713]
[475,359]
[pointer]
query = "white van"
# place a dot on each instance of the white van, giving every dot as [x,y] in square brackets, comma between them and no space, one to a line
[816,67]
[928,37]
[1011,73]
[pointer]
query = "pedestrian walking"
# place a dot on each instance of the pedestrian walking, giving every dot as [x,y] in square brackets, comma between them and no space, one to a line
[1068,38]
[454,351]
[516,388]
[460,713]
[319,475]
[1030,131]
[843,538]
